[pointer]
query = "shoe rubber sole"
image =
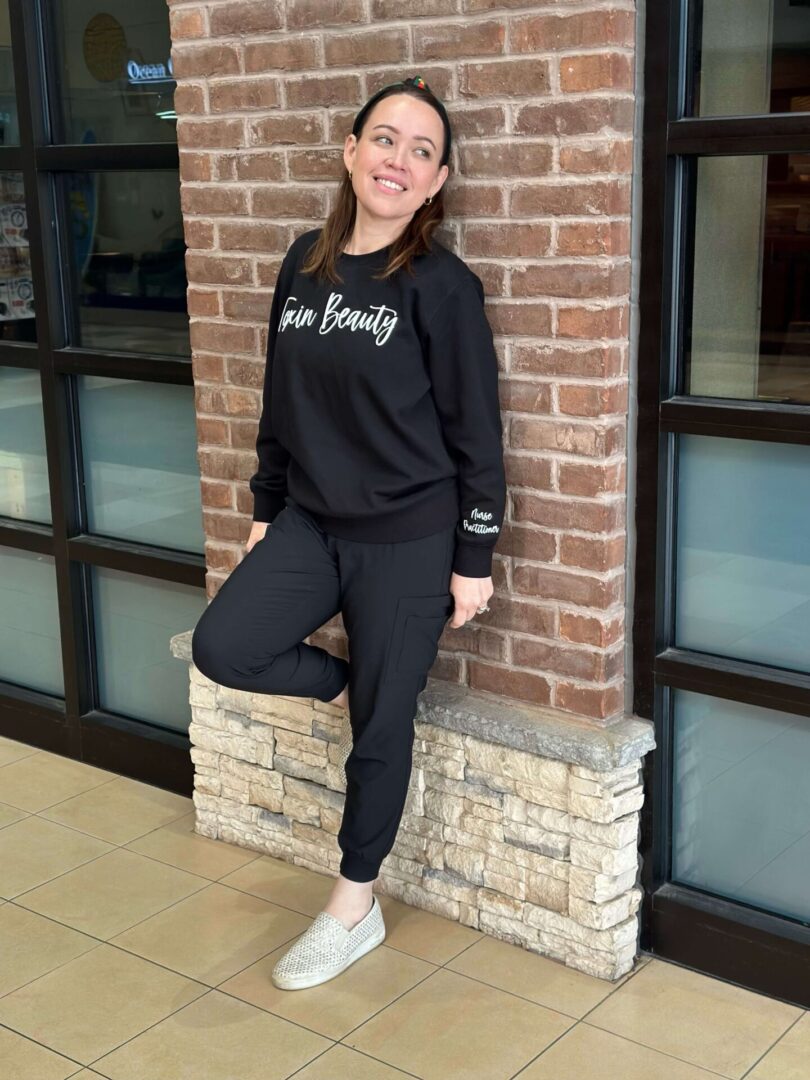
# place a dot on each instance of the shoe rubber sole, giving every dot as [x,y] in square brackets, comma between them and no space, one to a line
[315,978]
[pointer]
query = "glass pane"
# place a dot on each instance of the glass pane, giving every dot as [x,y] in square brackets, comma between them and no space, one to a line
[116,73]
[742,550]
[30,652]
[135,618]
[752,57]
[741,803]
[139,446]
[17,322]
[24,490]
[9,127]
[750,304]
[128,260]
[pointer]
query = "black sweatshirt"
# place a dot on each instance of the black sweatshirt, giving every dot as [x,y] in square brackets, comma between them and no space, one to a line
[380,412]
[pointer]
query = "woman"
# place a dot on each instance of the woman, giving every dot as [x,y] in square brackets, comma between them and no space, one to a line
[381,471]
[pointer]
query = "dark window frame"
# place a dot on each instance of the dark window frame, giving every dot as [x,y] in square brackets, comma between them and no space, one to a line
[713,934]
[77,726]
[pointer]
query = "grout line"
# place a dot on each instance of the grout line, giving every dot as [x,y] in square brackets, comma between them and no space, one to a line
[773,1044]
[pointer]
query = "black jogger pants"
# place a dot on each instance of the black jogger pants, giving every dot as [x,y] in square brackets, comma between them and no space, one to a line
[395,600]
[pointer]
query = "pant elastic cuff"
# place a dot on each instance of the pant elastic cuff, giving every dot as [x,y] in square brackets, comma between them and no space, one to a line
[357,869]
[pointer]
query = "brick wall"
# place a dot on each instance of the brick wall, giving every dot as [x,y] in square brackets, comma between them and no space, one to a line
[541,97]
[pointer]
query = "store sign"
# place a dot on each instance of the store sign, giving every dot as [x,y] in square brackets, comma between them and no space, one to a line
[150,73]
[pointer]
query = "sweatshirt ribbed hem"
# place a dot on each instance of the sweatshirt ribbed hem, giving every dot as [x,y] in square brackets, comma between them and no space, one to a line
[438,511]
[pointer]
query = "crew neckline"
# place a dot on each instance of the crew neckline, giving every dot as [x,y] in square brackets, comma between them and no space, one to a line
[366,254]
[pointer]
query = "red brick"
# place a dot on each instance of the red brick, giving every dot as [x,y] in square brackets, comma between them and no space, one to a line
[507,159]
[237,95]
[458,40]
[600,704]
[520,685]
[580,198]
[247,17]
[571,279]
[585,29]
[302,14]
[603,322]
[509,240]
[290,53]
[187,22]
[592,553]
[590,480]
[589,630]
[214,493]
[510,78]
[366,47]
[596,71]
[602,157]
[581,400]
[583,589]
[594,238]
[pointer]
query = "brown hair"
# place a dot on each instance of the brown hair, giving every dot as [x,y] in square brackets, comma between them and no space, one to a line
[321,258]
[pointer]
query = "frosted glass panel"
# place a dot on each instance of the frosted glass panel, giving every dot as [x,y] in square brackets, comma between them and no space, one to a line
[24,490]
[139,443]
[749,332]
[743,550]
[30,653]
[741,805]
[135,618]
[753,56]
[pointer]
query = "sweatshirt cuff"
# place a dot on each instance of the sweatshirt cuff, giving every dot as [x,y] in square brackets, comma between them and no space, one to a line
[267,504]
[472,560]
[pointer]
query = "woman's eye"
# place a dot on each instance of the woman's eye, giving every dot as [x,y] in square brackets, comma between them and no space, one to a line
[423,149]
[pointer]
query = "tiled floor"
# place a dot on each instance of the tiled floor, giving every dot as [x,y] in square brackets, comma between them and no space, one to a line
[133,949]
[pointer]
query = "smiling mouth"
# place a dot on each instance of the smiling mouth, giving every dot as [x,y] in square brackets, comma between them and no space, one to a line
[388,185]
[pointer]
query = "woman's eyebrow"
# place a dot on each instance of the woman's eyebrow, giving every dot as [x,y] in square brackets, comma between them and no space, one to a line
[396,132]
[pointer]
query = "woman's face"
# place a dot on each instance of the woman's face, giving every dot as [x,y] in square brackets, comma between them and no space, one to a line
[402,140]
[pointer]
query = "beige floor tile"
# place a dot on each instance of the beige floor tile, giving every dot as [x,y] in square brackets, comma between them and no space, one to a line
[529,975]
[215,1038]
[33,851]
[21,1059]
[416,932]
[423,934]
[121,811]
[585,1053]
[451,1026]
[39,780]
[112,893]
[31,946]
[790,1058]
[214,934]
[341,1061]
[9,814]
[283,883]
[11,750]
[94,1003]
[698,1019]
[340,1005]
[179,845]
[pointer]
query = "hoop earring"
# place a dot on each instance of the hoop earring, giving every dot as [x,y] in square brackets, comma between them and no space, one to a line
[428,200]
[350,174]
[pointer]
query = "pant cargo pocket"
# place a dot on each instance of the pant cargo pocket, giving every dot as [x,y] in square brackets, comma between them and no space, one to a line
[419,623]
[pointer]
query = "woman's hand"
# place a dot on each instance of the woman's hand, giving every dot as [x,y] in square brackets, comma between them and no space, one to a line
[257,531]
[469,593]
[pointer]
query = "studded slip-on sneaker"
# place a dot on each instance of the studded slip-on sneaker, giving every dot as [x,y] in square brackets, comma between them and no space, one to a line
[327,948]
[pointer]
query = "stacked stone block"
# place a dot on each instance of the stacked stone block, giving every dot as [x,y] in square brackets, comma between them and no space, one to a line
[533,850]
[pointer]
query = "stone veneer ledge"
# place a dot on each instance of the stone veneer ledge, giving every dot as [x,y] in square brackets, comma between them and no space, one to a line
[520,821]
